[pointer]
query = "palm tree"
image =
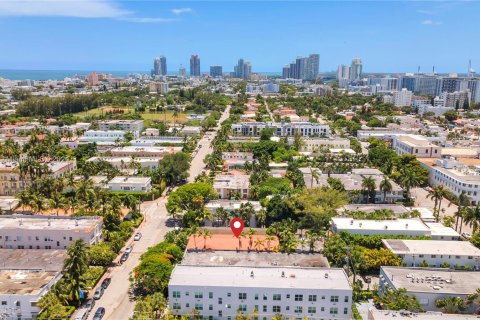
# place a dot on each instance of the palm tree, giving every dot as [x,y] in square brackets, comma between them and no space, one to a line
[75,265]
[250,233]
[450,304]
[312,238]
[259,243]
[205,234]
[314,172]
[472,217]
[268,241]
[261,217]
[222,215]
[409,180]
[385,187]
[368,186]
[461,201]
[437,194]
[474,299]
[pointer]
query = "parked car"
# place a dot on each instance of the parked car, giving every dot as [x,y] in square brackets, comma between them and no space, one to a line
[137,236]
[82,314]
[99,313]
[98,293]
[124,257]
[90,304]
[466,235]
[128,249]
[106,283]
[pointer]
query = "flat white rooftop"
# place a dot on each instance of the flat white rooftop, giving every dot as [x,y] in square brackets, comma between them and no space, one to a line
[435,247]
[27,222]
[397,224]
[127,180]
[263,277]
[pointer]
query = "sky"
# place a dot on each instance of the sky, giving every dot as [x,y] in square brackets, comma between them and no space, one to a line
[389,36]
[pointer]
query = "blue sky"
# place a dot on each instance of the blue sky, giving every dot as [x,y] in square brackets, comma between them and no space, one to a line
[389,36]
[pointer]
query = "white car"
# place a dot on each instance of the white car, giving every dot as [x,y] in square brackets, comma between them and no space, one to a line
[128,249]
[466,235]
[137,236]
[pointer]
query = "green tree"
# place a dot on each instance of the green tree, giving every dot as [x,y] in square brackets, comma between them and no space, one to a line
[368,187]
[101,254]
[385,187]
[75,265]
[451,304]
[397,300]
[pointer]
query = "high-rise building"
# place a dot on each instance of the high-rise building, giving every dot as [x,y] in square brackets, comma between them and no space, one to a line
[159,66]
[92,79]
[243,69]
[182,72]
[356,69]
[195,66]
[216,71]
[343,72]
[305,68]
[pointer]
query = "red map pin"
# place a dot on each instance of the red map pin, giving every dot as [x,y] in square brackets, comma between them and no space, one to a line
[237,226]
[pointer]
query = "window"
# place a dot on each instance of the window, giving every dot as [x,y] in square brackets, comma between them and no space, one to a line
[210,295]
[176,306]
[333,310]
[198,306]
[187,293]
[312,310]
[277,297]
[323,297]
[312,297]
[187,305]
[229,306]
[220,313]
[276,309]
[210,307]
[288,296]
[198,295]
[298,309]
[299,297]
[322,309]
[17,303]
[346,299]
[229,294]
[256,296]
[334,299]
[265,297]
[220,301]
[4,303]
[242,296]
[242,308]
[264,308]
[345,310]
[176,294]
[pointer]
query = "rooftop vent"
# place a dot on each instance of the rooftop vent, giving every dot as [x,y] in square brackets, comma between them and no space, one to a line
[326,275]
[283,274]
[251,274]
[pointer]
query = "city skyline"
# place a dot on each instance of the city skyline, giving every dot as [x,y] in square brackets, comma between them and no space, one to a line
[389,37]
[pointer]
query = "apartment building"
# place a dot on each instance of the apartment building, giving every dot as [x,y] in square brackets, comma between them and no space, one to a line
[316,144]
[429,284]
[47,232]
[20,290]
[435,253]
[282,129]
[124,163]
[223,292]
[134,126]
[236,159]
[102,136]
[461,175]
[130,184]
[130,151]
[228,185]
[416,145]
[11,184]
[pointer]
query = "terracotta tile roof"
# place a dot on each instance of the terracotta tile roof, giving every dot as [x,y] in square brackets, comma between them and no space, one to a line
[228,242]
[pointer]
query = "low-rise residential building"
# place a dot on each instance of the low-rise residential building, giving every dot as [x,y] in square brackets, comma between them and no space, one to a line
[129,163]
[130,184]
[190,131]
[236,159]
[407,227]
[47,232]
[102,136]
[435,254]
[459,176]
[416,145]
[352,182]
[20,291]
[12,182]
[228,185]
[317,144]
[134,126]
[150,141]
[429,284]
[282,129]
[224,292]
[129,151]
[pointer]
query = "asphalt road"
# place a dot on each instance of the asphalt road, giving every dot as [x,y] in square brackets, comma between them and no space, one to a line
[116,300]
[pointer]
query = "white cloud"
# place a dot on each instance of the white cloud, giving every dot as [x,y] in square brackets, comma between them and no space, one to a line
[182,10]
[431,22]
[430,12]
[72,8]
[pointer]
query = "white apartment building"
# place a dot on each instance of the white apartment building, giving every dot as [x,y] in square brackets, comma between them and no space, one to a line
[406,227]
[130,184]
[129,151]
[221,292]
[416,145]
[134,126]
[99,136]
[47,232]
[236,159]
[282,129]
[124,163]
[455,175]
[150,141]
[20,291]
[402,98]
[434,253]
[227,185]
[429,284]
[316,144]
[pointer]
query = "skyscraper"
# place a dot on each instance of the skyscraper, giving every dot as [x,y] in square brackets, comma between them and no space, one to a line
[356,69]
[216,71]
[343,72]
[305,68]
[195,66]
[313,67]
[159,66]
[243,69]
[182,72]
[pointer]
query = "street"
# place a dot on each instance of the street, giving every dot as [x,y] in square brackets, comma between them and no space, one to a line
[116,300]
